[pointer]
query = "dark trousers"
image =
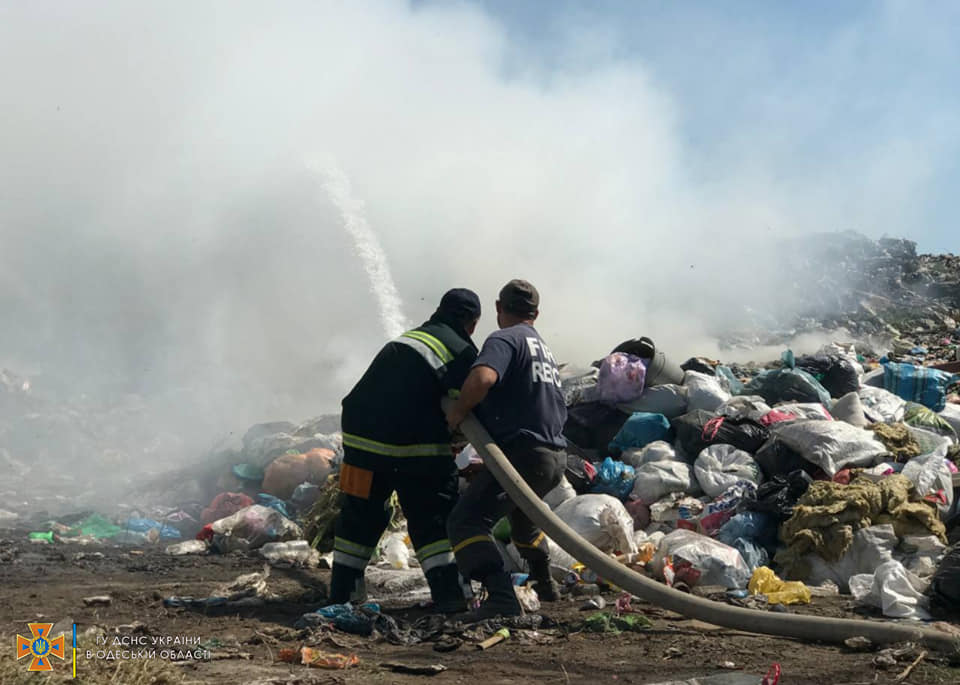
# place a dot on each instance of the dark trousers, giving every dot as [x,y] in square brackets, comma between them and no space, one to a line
[484,503]
[426,497]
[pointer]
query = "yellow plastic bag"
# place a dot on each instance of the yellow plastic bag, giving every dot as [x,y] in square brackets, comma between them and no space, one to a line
[765,582]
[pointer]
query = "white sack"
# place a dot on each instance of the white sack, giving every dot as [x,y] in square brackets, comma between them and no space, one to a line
[602,520]
[703,391]
[831,445]
[656,479]
[719,467]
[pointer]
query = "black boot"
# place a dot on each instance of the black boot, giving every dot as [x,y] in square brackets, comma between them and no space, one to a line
[501,598]
[446,590]
[546,587]
[347,585]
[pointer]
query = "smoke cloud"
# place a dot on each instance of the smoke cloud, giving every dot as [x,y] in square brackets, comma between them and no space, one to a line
[165,235]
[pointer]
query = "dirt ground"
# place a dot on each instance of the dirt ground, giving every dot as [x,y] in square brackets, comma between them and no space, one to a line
[49,583]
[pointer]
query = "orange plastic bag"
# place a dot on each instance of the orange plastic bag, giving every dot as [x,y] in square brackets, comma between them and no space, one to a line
[287,471]
[318,659]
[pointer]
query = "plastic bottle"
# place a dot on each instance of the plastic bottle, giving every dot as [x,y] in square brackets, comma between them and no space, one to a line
[292,552]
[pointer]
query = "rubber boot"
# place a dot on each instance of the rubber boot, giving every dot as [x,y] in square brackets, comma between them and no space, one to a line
[546,587]
[347,585]
[501,598]
[446,590]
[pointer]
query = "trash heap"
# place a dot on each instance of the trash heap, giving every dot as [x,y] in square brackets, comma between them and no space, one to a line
[832,469]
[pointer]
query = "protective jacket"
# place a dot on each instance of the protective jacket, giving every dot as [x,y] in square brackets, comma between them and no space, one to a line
[392,418]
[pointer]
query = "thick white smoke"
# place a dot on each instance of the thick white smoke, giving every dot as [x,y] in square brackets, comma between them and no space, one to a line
[162,235]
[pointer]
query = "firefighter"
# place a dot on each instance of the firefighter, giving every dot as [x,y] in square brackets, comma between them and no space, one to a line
[395,438]
[515,386]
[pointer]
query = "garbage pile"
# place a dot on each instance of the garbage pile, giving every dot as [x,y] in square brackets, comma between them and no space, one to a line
[872,289]
[835,468]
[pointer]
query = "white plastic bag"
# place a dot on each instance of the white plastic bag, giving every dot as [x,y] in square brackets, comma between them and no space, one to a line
[719,467]
[881,406]
[656,479]
[744,406]
[468,455]
[251,528]
[932,476]
[291,553]
[669,400]
[871,547]
[703,391]
[849,408]
[717,563]
[560,494]
[951,414]
[831,445]
[892,589]
[601,520]
[813,411]
[394,551]
[658,450]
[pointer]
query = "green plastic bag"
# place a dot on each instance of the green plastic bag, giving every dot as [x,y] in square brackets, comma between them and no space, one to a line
[97,526]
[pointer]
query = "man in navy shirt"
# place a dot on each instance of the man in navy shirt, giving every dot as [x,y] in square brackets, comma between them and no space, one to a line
[515,386]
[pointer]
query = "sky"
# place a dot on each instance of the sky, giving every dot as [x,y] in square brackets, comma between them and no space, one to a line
[166,230]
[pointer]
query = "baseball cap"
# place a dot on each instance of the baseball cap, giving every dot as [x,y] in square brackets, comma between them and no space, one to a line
[460,303]
[520,297]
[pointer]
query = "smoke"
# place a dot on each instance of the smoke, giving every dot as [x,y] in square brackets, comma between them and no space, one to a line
[164,237]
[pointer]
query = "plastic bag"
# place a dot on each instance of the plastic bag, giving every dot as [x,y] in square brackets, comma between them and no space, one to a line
[704,561]
[291,553]
[287,471]
[881,406]
[871,547]
[744,407]
[920,384]
[621,378]
[601,520]
[394,551]
[838,375]
[831,445]
[640,430]
[765,582]
[951,414]
[655,451]
[921,417]
[698,430]
[703,391]
[730,383]
[945,587]
[669,400]
[811,411]
[592,425]
[251,528]
[893,589]
[787,384]
[718,467]
[223,505]
[929,472]
[779,495]
[560,494]
[614,478]
[654,480]
[578,385]
[849,408]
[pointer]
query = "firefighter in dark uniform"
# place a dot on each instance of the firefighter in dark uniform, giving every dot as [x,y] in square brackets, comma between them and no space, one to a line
[395,438]
[515,386]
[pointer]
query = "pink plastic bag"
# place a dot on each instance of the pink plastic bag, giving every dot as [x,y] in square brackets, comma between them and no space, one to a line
[621,378]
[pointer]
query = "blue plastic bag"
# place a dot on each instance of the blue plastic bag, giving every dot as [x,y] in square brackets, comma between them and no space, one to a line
[274,503]
[142,525]
[640,430]
[734,383]
[614,478]
[919,384]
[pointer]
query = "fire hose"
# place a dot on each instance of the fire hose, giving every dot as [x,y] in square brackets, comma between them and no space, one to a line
[802,627]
